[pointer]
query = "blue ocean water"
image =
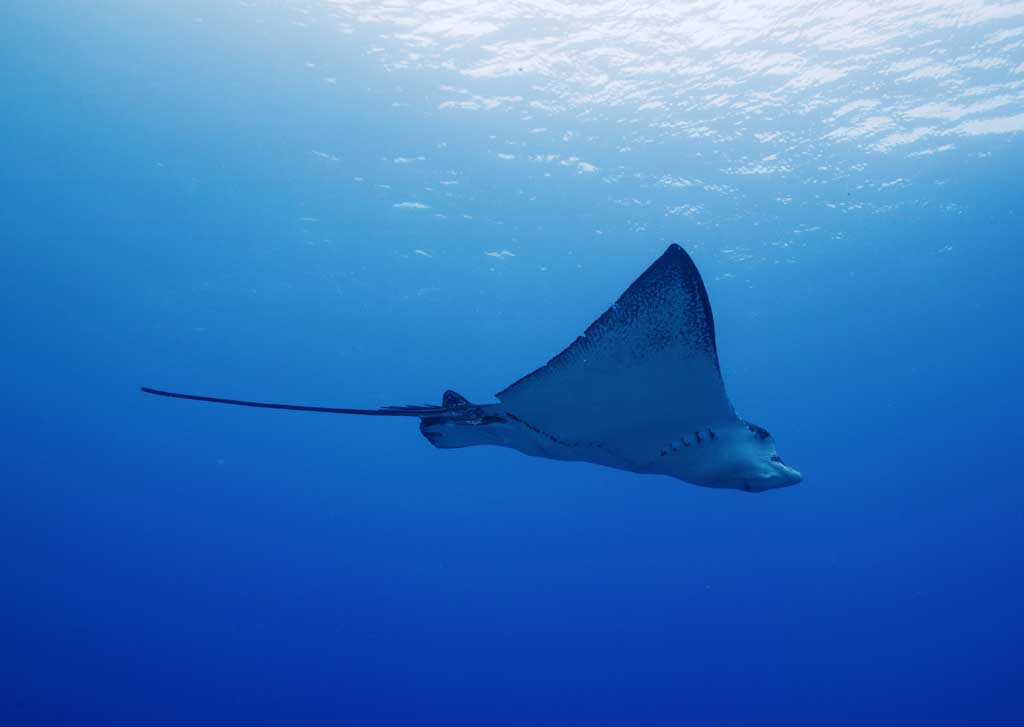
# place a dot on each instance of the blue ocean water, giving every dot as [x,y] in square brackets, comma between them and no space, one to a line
[358,204]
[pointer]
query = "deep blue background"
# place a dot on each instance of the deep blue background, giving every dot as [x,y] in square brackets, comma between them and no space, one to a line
[170,563]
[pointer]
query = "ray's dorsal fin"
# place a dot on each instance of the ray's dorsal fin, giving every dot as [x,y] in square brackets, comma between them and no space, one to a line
[454,400]
[648,364]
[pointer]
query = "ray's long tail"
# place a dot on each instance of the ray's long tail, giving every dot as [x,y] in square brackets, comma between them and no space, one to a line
[424,410]
[455,423]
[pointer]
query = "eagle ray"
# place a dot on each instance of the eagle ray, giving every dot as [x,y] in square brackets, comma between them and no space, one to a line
[641,390]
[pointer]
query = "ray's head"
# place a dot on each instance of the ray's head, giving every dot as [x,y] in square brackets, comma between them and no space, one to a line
[759,466]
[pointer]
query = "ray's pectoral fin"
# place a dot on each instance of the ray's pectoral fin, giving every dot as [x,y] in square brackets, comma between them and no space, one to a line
[648,367]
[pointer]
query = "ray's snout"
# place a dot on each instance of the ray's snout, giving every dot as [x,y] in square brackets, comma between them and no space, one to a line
[777,475]
[792,476]
[783,476]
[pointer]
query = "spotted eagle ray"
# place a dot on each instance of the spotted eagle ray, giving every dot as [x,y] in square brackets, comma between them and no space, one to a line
[640,390]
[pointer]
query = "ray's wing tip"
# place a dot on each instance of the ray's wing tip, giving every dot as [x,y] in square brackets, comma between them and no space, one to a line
[677,252]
